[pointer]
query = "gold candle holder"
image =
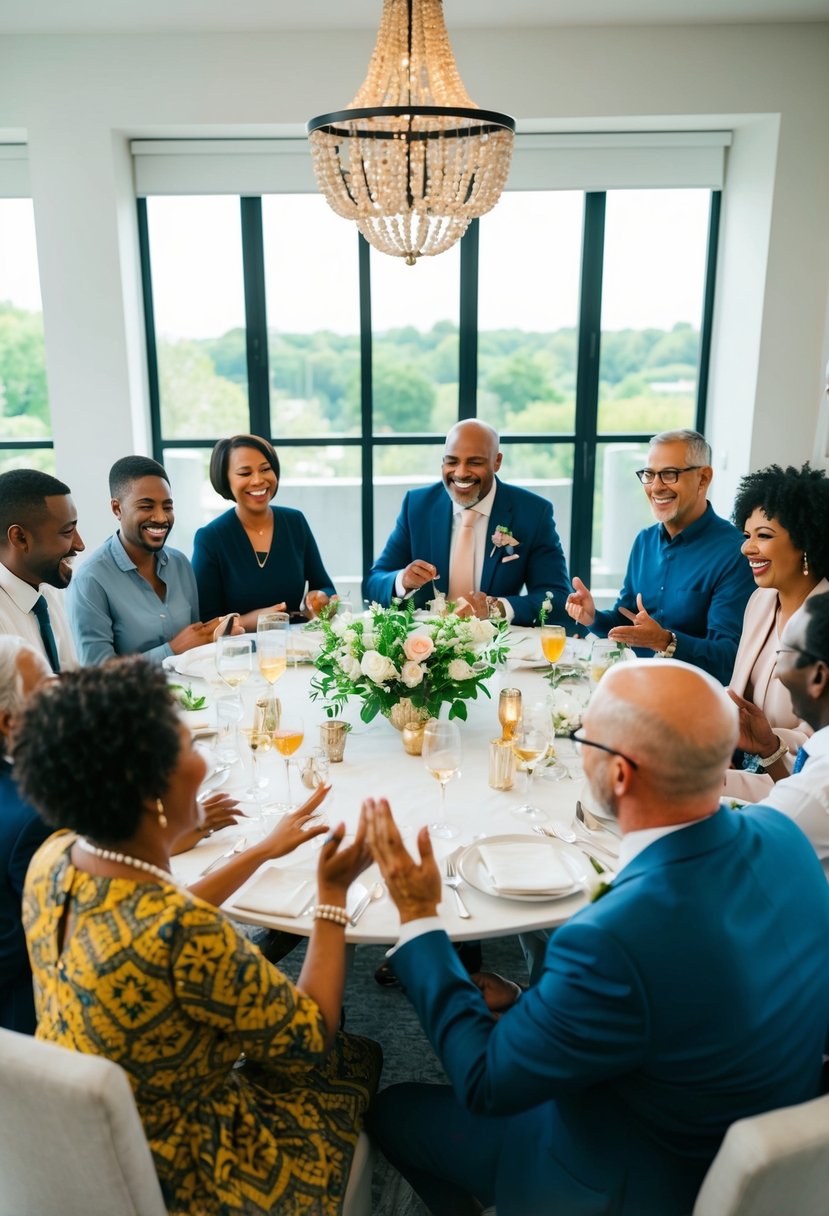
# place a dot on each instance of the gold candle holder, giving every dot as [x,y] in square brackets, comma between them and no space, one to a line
[412,735]
[501,764]
[333,735]
[509,711]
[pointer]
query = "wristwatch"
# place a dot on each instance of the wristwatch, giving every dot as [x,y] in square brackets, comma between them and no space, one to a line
[668,652]
[495,608]
[768,761]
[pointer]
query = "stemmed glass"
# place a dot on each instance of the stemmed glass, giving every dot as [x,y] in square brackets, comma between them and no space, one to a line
[442,757]
[287,738]
[258,740]
[272,649]
[530,742]
[553,641]
[602,657]
[234,661]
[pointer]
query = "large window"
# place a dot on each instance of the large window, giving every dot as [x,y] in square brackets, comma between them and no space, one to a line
[25,424]
[573,322]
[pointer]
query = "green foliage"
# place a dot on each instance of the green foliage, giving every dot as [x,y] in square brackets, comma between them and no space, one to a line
[23,392]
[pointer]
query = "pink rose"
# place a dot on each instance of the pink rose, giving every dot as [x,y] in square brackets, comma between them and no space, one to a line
[418,647]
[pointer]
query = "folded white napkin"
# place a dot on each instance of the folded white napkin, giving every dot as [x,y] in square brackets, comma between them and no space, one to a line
[277,893]
[534,868]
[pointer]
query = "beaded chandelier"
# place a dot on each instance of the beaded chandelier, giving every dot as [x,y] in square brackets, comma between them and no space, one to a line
[412,159]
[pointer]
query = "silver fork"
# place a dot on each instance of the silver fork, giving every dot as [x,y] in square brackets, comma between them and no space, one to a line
[454,881]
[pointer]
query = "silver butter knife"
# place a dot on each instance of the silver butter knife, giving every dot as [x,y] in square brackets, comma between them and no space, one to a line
[237,848]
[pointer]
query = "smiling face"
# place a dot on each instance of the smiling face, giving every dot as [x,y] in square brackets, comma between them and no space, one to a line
[470,461]
[145,513]
[251,479]
[678,505]
[48,545]
[774,560]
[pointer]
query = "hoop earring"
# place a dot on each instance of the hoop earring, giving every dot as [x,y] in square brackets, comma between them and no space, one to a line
[162,818]
[805,563]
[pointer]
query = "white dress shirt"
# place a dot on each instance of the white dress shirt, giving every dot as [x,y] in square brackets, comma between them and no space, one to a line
[804,797]
[16,617]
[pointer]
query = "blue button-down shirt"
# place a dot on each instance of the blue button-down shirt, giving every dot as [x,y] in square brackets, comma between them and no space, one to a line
[696,584]
[114,610]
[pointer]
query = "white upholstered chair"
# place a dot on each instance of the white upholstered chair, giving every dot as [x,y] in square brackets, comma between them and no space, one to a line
[771,1164]
[72,1144]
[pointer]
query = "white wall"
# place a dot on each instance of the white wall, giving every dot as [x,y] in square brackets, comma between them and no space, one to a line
[78,100]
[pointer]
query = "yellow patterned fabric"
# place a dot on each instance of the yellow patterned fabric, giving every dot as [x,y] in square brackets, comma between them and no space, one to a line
[163,984]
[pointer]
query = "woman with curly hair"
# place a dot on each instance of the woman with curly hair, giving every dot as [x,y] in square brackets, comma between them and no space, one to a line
[784,515]
[129,965]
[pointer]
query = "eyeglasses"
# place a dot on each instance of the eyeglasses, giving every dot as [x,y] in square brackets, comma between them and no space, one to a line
[804,654]
[668,477]
[581,742]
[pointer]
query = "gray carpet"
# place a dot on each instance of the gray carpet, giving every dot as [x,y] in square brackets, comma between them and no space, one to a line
[385,1014]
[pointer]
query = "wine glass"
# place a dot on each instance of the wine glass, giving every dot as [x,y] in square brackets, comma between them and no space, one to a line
[287,738]
[602,657]
[258,740]
[272,649]
[442,757]
[530,743]
[234,661]
[553,641]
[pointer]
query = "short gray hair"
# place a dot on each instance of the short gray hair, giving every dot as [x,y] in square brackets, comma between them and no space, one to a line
[696,445]
[10,696]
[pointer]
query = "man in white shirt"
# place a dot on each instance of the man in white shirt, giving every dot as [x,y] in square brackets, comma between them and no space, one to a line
[803,666]
[38,539]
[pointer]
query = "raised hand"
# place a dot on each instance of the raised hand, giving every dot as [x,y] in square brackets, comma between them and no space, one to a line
[414,886]
[294,829]
[417,573]
[756,735]
[644,630]
[580,605]
[338,866]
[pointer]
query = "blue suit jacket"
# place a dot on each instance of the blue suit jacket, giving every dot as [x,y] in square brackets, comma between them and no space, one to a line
[22,833]
[695,992]
[424,530]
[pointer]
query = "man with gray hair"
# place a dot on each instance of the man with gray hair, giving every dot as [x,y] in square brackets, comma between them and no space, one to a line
[687,583]
[693,992]
[22,670]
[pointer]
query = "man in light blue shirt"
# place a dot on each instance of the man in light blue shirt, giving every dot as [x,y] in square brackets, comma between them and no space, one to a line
[134,595]
[687,583]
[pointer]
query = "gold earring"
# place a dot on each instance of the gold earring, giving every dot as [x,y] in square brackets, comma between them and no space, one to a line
[805,564]
[162,818]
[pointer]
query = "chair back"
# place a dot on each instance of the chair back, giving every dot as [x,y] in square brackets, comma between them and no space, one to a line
[772,1163]
[71,1140]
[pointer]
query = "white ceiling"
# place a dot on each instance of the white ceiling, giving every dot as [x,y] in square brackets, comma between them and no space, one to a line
[190,16]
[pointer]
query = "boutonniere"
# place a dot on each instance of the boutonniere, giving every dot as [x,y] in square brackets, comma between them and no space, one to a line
[502,538]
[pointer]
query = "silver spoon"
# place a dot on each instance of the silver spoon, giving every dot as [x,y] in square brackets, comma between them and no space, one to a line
[213,780]
[376,892]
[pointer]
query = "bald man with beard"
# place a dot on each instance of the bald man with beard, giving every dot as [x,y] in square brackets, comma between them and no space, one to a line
[694,992]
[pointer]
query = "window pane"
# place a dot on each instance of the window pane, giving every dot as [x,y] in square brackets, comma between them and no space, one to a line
[313,303]
[652,297]
[24,404]
[397,469]
[620,511]
[27,458]
[415,313]
[199,304]
[546,469]
[528,302]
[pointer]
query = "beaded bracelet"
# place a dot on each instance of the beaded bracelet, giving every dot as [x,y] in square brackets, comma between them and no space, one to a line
[331,912]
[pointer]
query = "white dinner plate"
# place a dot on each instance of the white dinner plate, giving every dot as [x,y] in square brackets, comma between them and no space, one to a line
[197,664]
[473,871]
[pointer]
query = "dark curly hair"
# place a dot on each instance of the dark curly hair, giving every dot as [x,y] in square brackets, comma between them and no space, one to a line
[94,746]
[798,499]
[221,454]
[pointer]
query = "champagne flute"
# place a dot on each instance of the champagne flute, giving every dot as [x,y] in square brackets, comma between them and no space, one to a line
[272,649]
[553,641]
[287,738]
[442,757]
[234,661]
[530,743]
[258,740]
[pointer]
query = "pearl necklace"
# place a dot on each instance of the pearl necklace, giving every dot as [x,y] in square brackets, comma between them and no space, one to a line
[124,860]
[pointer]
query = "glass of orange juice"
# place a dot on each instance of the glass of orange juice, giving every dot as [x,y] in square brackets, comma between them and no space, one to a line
[287,739]
[553,641]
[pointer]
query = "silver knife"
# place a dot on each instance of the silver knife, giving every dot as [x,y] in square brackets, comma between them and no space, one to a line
[361,907]
[237,848]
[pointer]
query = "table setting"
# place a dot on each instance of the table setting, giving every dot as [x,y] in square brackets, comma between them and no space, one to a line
[505,870]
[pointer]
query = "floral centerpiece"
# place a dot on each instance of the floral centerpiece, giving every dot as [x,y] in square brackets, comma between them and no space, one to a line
[388,657]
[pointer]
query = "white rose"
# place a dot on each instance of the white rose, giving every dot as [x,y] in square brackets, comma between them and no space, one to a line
[377,667]
[351,667]
[459,669]
[349,637]
[411,674]
[481,631]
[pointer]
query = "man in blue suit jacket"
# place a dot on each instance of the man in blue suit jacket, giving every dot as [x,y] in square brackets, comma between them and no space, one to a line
[694,992]
[417,554]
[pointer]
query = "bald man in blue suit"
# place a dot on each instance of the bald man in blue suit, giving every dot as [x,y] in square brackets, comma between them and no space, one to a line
[514,577]
[694,992]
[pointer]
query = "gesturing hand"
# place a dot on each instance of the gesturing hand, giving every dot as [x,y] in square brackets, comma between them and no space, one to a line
[756,735]
[294,829]
[580,605]
[645,631]
[417,573]
[338,866]
[414,887]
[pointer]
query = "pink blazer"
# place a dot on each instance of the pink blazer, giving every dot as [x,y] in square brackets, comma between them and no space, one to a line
[769,694]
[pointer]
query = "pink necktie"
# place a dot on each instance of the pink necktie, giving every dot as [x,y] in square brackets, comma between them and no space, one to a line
[462,569]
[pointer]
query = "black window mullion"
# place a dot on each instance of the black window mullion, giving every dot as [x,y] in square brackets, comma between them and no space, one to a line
[256,317]
[587,384]
[708,310]
[366,404]
[468,321]
[149,329]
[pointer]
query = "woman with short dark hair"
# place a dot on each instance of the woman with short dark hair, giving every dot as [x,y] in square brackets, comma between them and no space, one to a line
[129,965]
[256,557]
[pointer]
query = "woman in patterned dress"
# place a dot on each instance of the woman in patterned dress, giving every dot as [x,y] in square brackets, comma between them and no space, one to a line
[129,965]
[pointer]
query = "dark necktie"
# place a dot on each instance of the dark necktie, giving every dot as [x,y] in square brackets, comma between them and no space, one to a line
[800,759]
[41,611]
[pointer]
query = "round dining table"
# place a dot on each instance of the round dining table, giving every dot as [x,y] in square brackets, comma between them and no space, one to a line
[376,765]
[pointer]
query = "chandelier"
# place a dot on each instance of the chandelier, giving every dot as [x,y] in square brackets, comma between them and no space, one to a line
[412,159]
